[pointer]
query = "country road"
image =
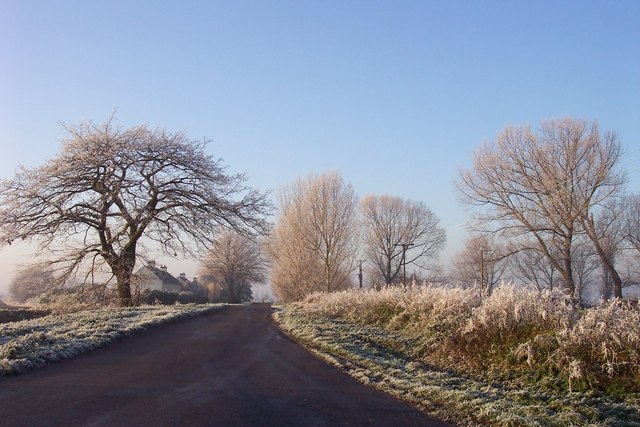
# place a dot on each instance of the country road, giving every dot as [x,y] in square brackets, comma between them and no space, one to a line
[232,367]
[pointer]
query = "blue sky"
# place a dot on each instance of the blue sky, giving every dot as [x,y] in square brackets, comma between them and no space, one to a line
[395,95]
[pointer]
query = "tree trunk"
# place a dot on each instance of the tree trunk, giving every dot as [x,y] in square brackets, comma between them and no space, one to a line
[123,270]
[124,293]
[387,278]
[567,274]
[606,257]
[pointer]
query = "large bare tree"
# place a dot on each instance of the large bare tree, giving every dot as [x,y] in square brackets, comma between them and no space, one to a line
[314,242]
[397,233]
[110,189]
[236,263]
[542,184]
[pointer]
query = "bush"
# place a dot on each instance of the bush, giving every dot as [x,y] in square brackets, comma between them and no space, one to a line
[148,297]
[72,300]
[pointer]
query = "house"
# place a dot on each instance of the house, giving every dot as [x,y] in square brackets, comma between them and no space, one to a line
[184,282]
[156,278]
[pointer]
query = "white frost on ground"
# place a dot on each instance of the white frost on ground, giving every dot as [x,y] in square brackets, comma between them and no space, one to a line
[31,344]
[382,359]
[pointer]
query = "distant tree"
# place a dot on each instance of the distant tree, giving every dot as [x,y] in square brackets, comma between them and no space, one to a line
[541,185]
[531,266]
[585,262]
[197,288]
[631,225]
[606,233]
[31,281]
[235,263]
[398,232]
[481,263]
[314,243]
[110,189]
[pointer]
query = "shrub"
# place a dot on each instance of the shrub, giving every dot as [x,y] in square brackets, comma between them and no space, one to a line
[148,297]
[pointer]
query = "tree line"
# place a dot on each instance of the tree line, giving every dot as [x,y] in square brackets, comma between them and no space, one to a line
[549,208]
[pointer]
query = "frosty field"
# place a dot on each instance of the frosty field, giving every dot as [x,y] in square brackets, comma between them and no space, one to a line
[31,344]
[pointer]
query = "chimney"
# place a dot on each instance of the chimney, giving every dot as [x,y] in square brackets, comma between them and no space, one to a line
[163,268]
[151,264]
[184,276]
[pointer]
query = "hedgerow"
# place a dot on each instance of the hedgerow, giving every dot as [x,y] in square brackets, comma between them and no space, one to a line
[541,343]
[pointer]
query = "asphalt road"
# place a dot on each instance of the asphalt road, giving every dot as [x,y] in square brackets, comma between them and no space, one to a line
[229,368]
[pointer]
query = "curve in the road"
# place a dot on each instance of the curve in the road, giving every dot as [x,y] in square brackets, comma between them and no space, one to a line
[229,368]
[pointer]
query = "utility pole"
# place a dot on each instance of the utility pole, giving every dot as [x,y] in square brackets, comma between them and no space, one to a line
[360,261]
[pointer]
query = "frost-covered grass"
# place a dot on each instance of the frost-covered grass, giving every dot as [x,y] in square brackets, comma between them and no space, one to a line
[517,357]
[31,344]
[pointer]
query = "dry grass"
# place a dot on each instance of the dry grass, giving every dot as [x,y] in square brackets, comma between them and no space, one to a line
[519,338]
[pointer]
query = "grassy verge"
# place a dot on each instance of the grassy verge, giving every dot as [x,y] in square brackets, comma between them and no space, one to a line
[31,344]
[455,368]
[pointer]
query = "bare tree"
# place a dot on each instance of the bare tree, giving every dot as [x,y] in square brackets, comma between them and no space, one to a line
[313,246]
[542,184]
[110,189]
[481,263]
[30,282]
[235,262]
[531,266]
[584,260]
[397,233]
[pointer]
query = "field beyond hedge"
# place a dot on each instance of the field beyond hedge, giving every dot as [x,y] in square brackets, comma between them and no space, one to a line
[517,357]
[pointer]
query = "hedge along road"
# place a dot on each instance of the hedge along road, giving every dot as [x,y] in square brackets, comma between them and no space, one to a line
[232,367]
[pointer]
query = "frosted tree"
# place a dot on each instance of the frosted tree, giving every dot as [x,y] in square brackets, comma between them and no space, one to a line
[481,263]
[314,243]
[30,282]
[234,263]
[398,232]
[111,189]
[542,185]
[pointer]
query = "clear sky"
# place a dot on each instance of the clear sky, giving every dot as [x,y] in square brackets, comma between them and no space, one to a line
[395,95]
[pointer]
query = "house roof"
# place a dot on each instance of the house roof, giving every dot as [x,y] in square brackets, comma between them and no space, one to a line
[183,280]
[164,276]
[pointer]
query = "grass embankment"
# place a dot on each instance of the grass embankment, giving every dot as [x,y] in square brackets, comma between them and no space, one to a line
[517,357]
[30,344]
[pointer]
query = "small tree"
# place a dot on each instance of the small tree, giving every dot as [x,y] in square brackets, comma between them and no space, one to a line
[398,232]
[481,263]
[110,189]
[235,263]
[30,282]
